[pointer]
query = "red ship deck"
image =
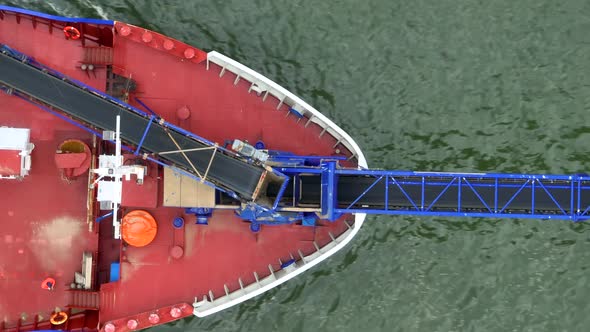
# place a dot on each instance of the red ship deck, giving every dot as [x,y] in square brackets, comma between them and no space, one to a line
[45,230]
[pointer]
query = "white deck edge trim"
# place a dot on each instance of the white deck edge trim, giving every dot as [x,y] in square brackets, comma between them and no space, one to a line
[263,84]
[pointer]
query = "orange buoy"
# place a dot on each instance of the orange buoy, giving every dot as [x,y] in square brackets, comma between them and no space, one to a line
[71,32]
[48,283]
[58,318]
[138,228]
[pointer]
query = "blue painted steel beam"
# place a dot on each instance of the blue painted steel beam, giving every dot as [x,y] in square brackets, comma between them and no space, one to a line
[147,128]
[329,196]
[99,219]
[281,191]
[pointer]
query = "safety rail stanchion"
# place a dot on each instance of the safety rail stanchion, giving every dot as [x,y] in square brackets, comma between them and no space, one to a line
[257,278]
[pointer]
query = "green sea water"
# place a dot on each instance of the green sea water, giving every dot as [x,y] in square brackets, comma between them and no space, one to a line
[462,85]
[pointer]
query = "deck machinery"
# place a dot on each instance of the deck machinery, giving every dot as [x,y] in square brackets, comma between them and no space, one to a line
[272,188]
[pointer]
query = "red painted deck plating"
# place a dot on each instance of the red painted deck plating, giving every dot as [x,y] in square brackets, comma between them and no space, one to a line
[45,227]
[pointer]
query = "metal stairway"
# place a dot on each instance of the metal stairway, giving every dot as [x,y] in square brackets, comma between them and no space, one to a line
[83,299]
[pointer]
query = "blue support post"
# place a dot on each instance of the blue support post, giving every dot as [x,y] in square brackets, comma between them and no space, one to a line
[386,203]
[572,211]
[329,200]
[178,222]
[202,215]
[280,193]
[422,201]
[145,132]
[579,195]
[533,197]
[459,195]
[496,196]
[296,189]
[255,227]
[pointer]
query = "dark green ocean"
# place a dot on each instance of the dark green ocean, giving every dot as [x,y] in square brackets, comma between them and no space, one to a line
[461,85]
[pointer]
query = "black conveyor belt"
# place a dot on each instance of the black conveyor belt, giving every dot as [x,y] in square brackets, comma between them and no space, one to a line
[350,187]
[87,107]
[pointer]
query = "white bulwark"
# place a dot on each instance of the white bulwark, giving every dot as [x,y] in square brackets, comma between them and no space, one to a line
[264,87]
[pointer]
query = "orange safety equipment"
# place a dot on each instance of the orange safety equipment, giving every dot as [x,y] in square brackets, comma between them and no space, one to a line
[71,32]
[58,318]
[48,283]
[138,228]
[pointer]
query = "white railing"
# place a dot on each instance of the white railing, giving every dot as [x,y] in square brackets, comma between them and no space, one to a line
[263,86]
[211,304]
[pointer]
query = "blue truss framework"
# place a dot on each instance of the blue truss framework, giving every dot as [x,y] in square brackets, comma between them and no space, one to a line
[565,197]
[489,195]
